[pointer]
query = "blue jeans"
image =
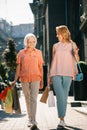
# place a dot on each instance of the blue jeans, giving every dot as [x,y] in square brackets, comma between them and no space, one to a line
[61,85]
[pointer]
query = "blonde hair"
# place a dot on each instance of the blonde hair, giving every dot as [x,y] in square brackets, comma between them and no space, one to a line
[28,36]
[64,31]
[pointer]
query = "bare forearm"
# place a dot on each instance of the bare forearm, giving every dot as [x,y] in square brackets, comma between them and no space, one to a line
[41,82]
[17,73]
[41,70]
[77,58]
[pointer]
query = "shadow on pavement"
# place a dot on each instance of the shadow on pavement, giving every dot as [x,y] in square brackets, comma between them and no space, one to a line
[67,128]
[73,128]
[60,129]
[4,115]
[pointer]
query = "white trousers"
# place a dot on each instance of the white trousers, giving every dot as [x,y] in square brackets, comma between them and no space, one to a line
[30,91]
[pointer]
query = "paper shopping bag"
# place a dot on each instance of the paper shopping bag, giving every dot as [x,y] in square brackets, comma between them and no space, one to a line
[16,103]
[51,99]
[4,93]
[9,101]
[44,95]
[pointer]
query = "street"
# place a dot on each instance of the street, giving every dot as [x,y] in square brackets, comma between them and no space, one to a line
[46,117]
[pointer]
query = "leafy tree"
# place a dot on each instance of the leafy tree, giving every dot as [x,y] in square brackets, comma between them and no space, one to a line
[3,72]
[9,56]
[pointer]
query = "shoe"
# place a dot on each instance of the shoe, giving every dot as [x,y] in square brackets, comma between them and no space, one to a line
[29,123]
[61,124]
[34,122]
[34,127]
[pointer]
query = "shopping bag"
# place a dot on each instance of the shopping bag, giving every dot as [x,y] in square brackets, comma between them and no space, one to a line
[16,103]
[9,101]
[51,99]
[44,95]
[79,77]
[4,93]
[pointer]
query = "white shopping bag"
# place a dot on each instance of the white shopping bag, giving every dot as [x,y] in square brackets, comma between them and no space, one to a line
[51,99]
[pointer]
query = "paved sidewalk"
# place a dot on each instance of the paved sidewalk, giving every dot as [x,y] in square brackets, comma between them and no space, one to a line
[46,117]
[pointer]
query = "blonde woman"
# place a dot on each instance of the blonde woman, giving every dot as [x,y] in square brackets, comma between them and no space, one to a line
[30,70]
[63,69]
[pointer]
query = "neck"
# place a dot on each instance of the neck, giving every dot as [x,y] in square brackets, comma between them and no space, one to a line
[64,41]
[30,49]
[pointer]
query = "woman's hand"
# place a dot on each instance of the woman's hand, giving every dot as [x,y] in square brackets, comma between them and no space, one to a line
[13,83]
[41,84]
[50,80]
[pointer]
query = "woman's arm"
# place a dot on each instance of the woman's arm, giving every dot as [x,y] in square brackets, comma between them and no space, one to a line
[76,50]
[41,82]
[53,53]
[53,50]
[16,75]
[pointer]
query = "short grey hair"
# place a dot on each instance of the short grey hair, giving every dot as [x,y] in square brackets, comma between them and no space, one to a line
[27,37]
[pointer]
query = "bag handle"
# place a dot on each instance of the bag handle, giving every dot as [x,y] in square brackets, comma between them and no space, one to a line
[75,58]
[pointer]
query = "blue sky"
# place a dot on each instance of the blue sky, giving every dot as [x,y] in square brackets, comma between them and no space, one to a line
[16,11]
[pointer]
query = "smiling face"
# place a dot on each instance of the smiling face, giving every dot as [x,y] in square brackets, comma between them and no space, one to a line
[31,42]
[63,33]
[59,36]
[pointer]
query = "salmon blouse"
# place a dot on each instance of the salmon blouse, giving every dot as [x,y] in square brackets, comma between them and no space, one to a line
[30,65]
[63,63]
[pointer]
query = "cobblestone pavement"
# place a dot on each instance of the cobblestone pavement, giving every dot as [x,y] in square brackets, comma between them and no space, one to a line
[46,118]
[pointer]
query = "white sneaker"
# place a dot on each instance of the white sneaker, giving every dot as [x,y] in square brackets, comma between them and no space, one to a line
[61,124]
[29,123]
[34,122]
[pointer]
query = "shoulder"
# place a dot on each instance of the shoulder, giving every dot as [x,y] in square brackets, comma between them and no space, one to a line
[21,52]
[55,46]
[38,51]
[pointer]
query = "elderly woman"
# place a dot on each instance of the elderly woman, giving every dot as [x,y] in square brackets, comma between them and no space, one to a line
[30,70]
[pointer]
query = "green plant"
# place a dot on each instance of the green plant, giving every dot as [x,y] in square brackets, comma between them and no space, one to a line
[9,54]
[3,72]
